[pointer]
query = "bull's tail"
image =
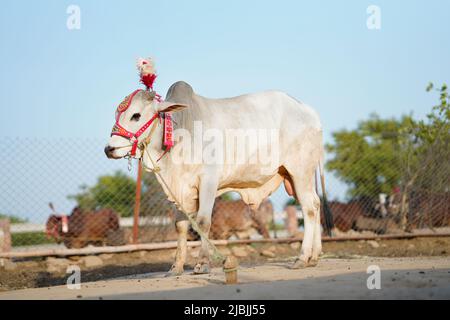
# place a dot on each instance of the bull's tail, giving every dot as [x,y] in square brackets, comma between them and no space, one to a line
[328,215]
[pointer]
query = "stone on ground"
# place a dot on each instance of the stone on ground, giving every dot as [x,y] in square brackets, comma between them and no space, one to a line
[295,245]
[92,261]
[7,265]
[268,253]
[251,249]
[373,244]
[56,265]
[239,252]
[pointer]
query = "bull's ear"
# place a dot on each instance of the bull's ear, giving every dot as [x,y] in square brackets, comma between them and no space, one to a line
[167,106]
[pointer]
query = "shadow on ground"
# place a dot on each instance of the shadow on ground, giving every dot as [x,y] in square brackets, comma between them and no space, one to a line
[395,284]
[46,279]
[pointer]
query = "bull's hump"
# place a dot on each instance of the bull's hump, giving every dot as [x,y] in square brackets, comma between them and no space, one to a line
[180,91]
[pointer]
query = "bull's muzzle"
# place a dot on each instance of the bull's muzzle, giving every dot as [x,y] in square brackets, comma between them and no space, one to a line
[109,151]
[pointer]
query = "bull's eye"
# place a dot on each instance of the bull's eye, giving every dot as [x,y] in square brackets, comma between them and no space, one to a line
[135,117]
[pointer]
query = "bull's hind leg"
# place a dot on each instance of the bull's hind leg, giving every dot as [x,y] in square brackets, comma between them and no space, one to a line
[310,250]
[305,192]
[317,241]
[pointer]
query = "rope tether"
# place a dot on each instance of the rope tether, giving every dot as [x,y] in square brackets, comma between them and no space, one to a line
[156,170]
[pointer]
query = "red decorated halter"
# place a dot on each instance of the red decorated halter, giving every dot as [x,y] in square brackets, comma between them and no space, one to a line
[118,130]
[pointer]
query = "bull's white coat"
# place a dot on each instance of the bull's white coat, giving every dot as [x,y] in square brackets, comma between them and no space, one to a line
[196,184]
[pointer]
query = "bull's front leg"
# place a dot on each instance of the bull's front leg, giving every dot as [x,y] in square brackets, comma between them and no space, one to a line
[181,225]
[207,194]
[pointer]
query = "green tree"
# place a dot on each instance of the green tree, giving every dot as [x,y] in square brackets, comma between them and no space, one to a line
[153,201]
[382,153]
[426,147]
[426,153]
[118,192]
[115,191]
[366,158]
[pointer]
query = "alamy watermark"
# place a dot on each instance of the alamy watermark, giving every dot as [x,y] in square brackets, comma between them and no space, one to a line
[213,146]
[374,280]
[73,21]
[74,280]
[373,21]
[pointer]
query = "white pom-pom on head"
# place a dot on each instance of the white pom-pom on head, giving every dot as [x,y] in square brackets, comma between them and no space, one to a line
[145,66]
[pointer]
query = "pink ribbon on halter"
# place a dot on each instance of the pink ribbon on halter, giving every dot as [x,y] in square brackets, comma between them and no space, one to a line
[168,134]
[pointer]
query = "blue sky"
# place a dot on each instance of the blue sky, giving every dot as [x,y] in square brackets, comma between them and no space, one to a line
[56,82]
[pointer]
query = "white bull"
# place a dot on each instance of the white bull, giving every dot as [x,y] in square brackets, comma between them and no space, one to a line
[197,178]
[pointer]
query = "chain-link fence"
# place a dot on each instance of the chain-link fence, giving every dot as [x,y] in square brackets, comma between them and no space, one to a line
[58,193]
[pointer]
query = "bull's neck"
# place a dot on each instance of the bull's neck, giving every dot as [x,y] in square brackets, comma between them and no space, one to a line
[154,151]
[161,167]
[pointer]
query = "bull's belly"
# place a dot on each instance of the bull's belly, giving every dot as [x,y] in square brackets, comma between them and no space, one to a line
[243,177]
[252,184]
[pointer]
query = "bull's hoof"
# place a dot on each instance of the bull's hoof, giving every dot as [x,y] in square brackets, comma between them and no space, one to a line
[202,268]
[175,271]
[313,263]
[300,263]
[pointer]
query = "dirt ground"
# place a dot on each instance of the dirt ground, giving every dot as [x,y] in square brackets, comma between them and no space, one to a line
[411,268]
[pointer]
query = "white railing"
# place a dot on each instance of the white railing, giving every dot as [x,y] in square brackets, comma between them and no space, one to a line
[124,223]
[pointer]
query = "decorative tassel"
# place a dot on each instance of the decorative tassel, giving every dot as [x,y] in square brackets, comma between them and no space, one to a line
[168,131]
[147,72]
[168,134]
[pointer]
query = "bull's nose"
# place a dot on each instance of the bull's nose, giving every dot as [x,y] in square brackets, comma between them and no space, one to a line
[109,150]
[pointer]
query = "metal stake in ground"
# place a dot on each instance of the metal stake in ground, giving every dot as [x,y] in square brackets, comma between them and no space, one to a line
[230,266]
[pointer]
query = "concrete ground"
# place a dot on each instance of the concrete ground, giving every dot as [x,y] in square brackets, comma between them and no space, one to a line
[401,278]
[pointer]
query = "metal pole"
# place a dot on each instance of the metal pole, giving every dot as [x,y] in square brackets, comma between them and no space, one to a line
[137,204]
[5,235]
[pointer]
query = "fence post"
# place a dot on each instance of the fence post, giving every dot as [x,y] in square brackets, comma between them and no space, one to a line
[137,204]
[5,235]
